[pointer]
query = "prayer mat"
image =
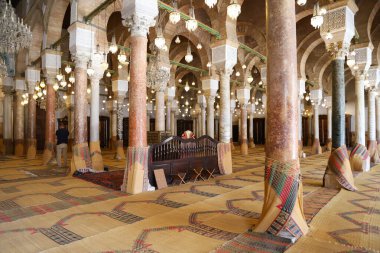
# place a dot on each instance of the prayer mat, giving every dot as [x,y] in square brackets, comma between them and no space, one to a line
[112,179]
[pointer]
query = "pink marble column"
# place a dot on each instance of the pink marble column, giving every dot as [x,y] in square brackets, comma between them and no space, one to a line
[31,132]
[282,212]
[81,160]
[50,121]
[19,124]
[137,92]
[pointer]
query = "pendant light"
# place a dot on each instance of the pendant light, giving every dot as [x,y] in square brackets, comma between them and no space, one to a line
[211,3]
[192,23]
[189,57]
[234,10]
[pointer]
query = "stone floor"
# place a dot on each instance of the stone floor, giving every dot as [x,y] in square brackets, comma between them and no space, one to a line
[41,210]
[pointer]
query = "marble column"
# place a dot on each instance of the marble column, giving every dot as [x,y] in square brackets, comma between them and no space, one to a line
[194,125]
[251,138]
[372,144]
[82,161]
[160,111]
[70,118]
[243,124]
[210,115]
[199,121]
[300,142]
[1,121]
[95,150]
[138,16]
[316,149]
[120,116]
[48,155]
[168,116]
[359,109]
[232,111]
[378,120]
[113,113]
[329,128]
[19,124]
[225,117]
[31,132]
[7,125]
[173,122]
[282,126]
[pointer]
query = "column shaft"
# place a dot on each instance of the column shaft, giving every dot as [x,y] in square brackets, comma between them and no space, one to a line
[31,133]
[168,116]
[359,109]
[203,120]
[19,125]
[282,125]
[244,142]
[251,139]
[378,119]
[338,104]
[172,123]
[210,116]
[137,92]
[316,144]
[160,111]
[224,109]
[7,128]
[50,122]
[96,155]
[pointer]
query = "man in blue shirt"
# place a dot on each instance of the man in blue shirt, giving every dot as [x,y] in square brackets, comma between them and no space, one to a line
[62,139]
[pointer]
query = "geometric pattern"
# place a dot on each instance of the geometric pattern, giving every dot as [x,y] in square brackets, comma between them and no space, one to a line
[60,235]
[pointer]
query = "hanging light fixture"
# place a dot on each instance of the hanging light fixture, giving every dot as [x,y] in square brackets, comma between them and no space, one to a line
[108,74]
[234,10]
[174,16]
[237,74]
[192,23]
[177,40]
[244,66]
[63,82]
[72,79]
[56,86]
[15,35]
[42,84]
[159,41]
[122,57]
[187,87]
[189,57]
[211,3]
[250,79]
[64,97]
[193,83]
[301,2]
[317,19]
[104,62]
[68,69]
[199,46]
[113,47]
[59,75]
[90,70]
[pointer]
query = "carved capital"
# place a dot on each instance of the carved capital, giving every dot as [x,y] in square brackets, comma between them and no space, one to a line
[81,60]
[139,24]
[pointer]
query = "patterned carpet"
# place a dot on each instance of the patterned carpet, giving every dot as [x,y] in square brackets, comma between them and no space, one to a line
[66,214]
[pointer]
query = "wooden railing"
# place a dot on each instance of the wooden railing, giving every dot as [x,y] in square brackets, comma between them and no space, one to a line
[176,155]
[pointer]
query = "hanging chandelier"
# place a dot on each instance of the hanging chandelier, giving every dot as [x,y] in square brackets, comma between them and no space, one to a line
[177,40]
[113,47]
[211,3]
[187,87]
[234,10]
[192,23]
[15,35]
[189,57]
[159,41]
[301,2]
[174,16]
[317,19]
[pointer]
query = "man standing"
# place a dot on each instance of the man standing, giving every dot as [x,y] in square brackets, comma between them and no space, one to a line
[62,140]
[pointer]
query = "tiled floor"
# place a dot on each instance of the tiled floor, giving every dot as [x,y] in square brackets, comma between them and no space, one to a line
[54,213]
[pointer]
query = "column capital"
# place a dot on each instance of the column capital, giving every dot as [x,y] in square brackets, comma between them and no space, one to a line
[51,60]
[374,76]
[81,59]
[139,16]
[210,86]
[158,76]
[316,96]
[224,56]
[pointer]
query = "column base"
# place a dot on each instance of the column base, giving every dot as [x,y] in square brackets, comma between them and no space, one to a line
[224,158]
[360,159]
[373,153]
[136,173]
[282,216]
[316,148]
[81,158]
[19,148]
[113,143]
[232,144]
[31,148]
[251,143]
[96,156]
[338,173]
[310,142]
[244,147]
[48,155]
[329,145]
[8,146]
[119,150]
